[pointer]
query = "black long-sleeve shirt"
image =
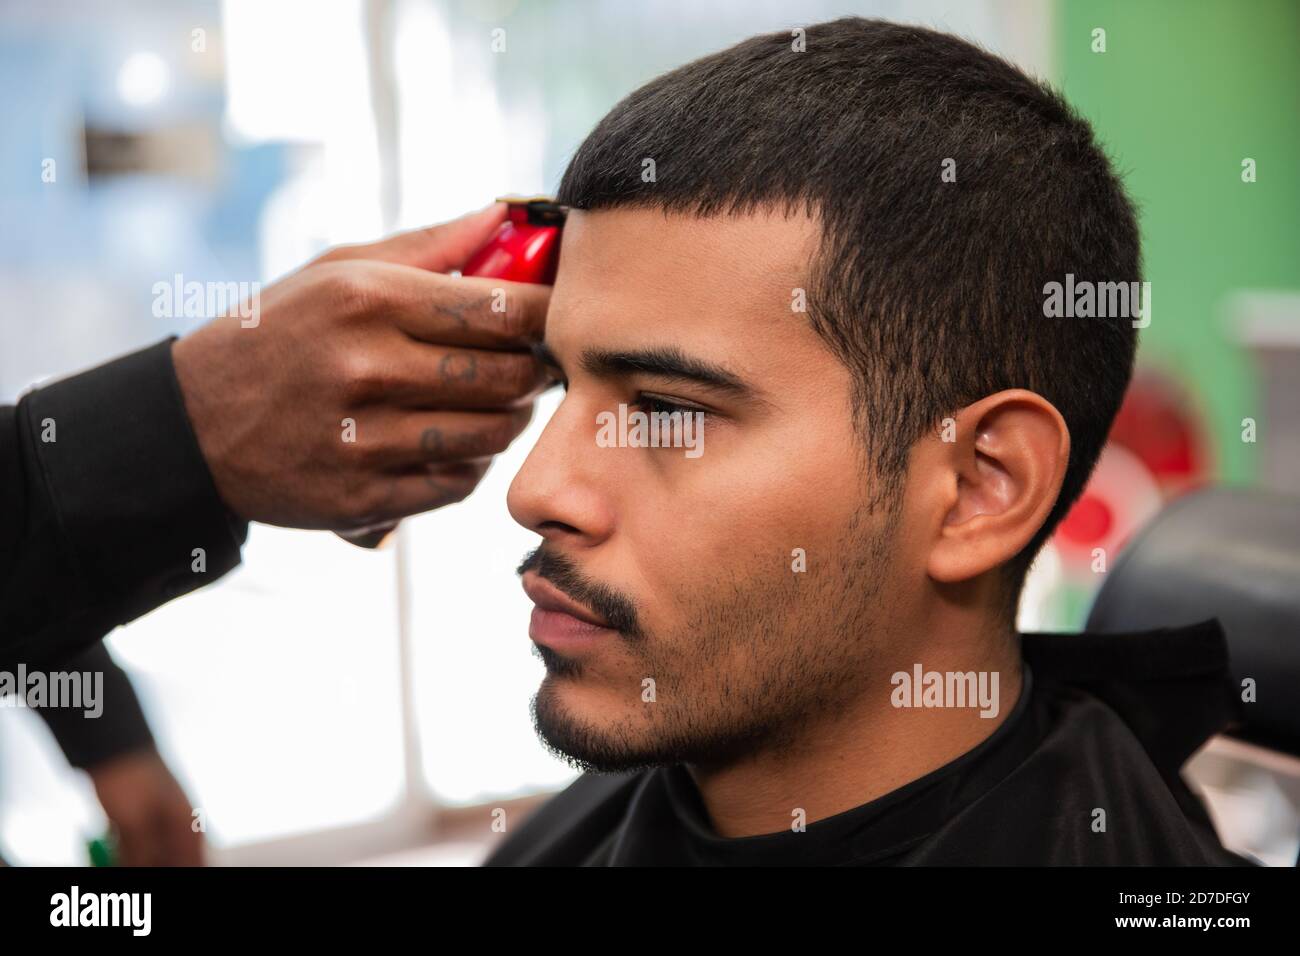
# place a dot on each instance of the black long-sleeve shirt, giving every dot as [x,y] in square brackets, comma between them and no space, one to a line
[104,496]
[104,499]
[120,727]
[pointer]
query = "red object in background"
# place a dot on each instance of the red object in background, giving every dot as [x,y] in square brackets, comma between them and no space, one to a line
[1155,452]
[526,248]
[1089,520]
[1122,495]
[1157,423]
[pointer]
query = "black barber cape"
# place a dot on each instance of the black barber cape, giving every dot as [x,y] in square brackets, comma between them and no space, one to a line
[1102,722]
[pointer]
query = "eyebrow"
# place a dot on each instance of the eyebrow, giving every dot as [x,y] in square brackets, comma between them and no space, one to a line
[667,362]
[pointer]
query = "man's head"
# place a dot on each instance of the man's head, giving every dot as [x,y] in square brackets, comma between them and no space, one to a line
[840,254]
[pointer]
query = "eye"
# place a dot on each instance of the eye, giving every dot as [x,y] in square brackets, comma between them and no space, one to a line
[657,404]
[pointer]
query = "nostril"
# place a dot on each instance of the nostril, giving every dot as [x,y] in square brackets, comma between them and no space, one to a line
[560,526]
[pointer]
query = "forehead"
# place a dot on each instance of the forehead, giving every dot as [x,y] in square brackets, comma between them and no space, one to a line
[720,286]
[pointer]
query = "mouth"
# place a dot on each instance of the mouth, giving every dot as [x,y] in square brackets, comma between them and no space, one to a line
[558,621]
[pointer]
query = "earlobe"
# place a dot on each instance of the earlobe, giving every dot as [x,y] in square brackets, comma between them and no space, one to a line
[1007,464]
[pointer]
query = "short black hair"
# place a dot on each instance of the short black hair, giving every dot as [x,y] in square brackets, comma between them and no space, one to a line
[931,291]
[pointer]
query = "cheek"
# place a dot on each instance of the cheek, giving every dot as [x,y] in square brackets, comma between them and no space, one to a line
[730,521]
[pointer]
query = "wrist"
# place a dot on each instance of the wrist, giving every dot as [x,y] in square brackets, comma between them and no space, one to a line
[199,398]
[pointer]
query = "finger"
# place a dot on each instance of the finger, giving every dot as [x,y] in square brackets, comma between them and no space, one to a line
[466,310]
[461,436]
[434,377]
[428,487]
[132,843]
[440,438]
[184,846]
[439,248]
[369,537]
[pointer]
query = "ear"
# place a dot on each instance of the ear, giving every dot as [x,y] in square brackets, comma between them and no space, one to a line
[999,465]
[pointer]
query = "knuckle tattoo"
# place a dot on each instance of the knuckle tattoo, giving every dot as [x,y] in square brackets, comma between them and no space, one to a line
[453,309]
[458,368]
[432,443]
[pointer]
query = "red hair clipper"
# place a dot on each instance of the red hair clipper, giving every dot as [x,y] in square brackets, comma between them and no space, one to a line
[525,248]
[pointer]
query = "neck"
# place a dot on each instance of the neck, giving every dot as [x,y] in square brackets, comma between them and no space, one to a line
[866,749]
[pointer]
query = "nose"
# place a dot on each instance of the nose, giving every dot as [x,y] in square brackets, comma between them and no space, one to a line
[560,492]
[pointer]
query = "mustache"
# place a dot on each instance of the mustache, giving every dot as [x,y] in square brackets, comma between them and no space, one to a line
[618,611]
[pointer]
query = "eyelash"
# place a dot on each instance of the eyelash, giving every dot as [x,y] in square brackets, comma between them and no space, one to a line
[649,403]
[643,401]
[655,403]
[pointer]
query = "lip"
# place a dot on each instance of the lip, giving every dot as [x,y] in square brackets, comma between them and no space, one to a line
[558,621]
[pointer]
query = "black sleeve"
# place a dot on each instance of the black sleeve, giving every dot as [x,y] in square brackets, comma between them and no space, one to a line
[118,728]
[104,497]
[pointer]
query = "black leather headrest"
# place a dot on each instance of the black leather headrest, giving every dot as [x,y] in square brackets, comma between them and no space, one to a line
[1229,554]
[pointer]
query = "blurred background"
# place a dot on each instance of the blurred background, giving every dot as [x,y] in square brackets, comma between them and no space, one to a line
[323,704]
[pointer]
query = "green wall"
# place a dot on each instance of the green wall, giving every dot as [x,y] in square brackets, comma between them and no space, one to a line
[1185,90]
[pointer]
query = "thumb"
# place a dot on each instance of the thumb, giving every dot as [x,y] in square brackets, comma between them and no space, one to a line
[439,248]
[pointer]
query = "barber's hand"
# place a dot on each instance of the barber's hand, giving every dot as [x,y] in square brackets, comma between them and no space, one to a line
[152,819]
[371,387]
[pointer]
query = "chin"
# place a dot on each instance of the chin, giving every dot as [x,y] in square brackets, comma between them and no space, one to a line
[588,733]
